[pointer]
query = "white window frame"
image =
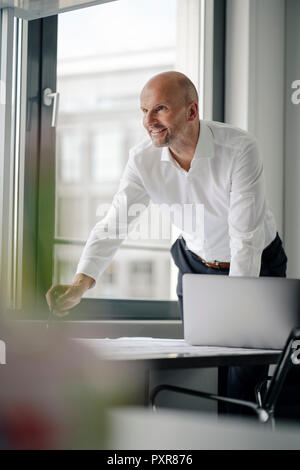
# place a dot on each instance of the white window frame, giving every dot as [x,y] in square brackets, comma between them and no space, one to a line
[6,149]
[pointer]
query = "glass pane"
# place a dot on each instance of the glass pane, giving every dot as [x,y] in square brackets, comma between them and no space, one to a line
[134,273]
[106,53]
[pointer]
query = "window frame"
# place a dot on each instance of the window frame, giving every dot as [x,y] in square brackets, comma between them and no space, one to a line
[6,152]
[39,168]
[39,179]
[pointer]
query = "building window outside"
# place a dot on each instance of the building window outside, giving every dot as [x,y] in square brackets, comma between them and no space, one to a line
[69,157]
[107,148]
[141,277]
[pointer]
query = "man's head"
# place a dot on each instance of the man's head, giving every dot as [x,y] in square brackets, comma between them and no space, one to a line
[169,102]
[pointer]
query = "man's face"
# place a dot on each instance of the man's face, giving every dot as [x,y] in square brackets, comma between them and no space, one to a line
[164,113]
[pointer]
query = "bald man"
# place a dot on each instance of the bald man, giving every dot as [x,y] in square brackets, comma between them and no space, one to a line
[187,162]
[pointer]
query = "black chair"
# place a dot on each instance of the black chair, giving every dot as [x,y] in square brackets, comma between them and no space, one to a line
[267,401]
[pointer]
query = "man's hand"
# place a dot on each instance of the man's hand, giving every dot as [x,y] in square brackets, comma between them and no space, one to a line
[61,298]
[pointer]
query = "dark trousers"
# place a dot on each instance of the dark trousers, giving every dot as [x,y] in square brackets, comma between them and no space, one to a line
[241,380]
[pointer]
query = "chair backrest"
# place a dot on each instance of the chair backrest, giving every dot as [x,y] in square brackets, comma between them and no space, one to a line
[289,358]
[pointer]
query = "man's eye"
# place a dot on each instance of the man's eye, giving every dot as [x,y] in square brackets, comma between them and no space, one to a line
[159,108]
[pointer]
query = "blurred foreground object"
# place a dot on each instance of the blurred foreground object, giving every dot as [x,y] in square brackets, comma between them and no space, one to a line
[54,392]
[138,428]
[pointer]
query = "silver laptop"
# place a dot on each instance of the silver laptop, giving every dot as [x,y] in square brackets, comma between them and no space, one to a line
[238,311]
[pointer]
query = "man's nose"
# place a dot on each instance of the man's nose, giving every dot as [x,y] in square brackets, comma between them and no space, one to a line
[150,118]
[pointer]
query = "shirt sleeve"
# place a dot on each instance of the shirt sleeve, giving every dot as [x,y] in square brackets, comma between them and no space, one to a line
[246,213]
[108,234]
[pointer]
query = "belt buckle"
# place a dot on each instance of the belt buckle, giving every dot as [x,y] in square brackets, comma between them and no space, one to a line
[217,263]
[205,263]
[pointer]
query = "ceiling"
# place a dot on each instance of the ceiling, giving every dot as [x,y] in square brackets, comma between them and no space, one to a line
[32,9]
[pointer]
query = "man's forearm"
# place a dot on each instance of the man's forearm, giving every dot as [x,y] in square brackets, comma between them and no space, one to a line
[84,281]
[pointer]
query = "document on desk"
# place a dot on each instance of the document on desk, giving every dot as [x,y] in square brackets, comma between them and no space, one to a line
[145,348]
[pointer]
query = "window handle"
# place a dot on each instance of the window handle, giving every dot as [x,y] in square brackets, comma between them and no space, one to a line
[48,97]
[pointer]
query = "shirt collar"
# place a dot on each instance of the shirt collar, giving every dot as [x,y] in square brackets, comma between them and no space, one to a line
[204,148]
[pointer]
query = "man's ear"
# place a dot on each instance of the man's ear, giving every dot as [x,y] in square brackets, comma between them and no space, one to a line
[193,111]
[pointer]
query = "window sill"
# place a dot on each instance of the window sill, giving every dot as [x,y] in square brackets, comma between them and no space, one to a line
[172,329]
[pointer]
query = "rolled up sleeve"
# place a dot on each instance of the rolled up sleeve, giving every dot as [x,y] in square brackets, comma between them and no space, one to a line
[246,213]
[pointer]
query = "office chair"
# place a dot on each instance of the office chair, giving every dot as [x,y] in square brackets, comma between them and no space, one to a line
[265,402]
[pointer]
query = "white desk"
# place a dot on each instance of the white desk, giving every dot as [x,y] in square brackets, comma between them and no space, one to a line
[169,353]
[153,354]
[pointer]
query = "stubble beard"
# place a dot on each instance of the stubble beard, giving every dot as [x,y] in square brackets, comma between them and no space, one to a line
[164,143]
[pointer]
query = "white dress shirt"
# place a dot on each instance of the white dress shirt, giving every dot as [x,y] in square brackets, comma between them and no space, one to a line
[225,178]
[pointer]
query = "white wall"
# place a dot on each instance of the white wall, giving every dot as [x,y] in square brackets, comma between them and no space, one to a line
[292,141]
[255,73]
[237,63]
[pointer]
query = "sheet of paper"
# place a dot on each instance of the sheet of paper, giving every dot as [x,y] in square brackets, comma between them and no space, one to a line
[139,348]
